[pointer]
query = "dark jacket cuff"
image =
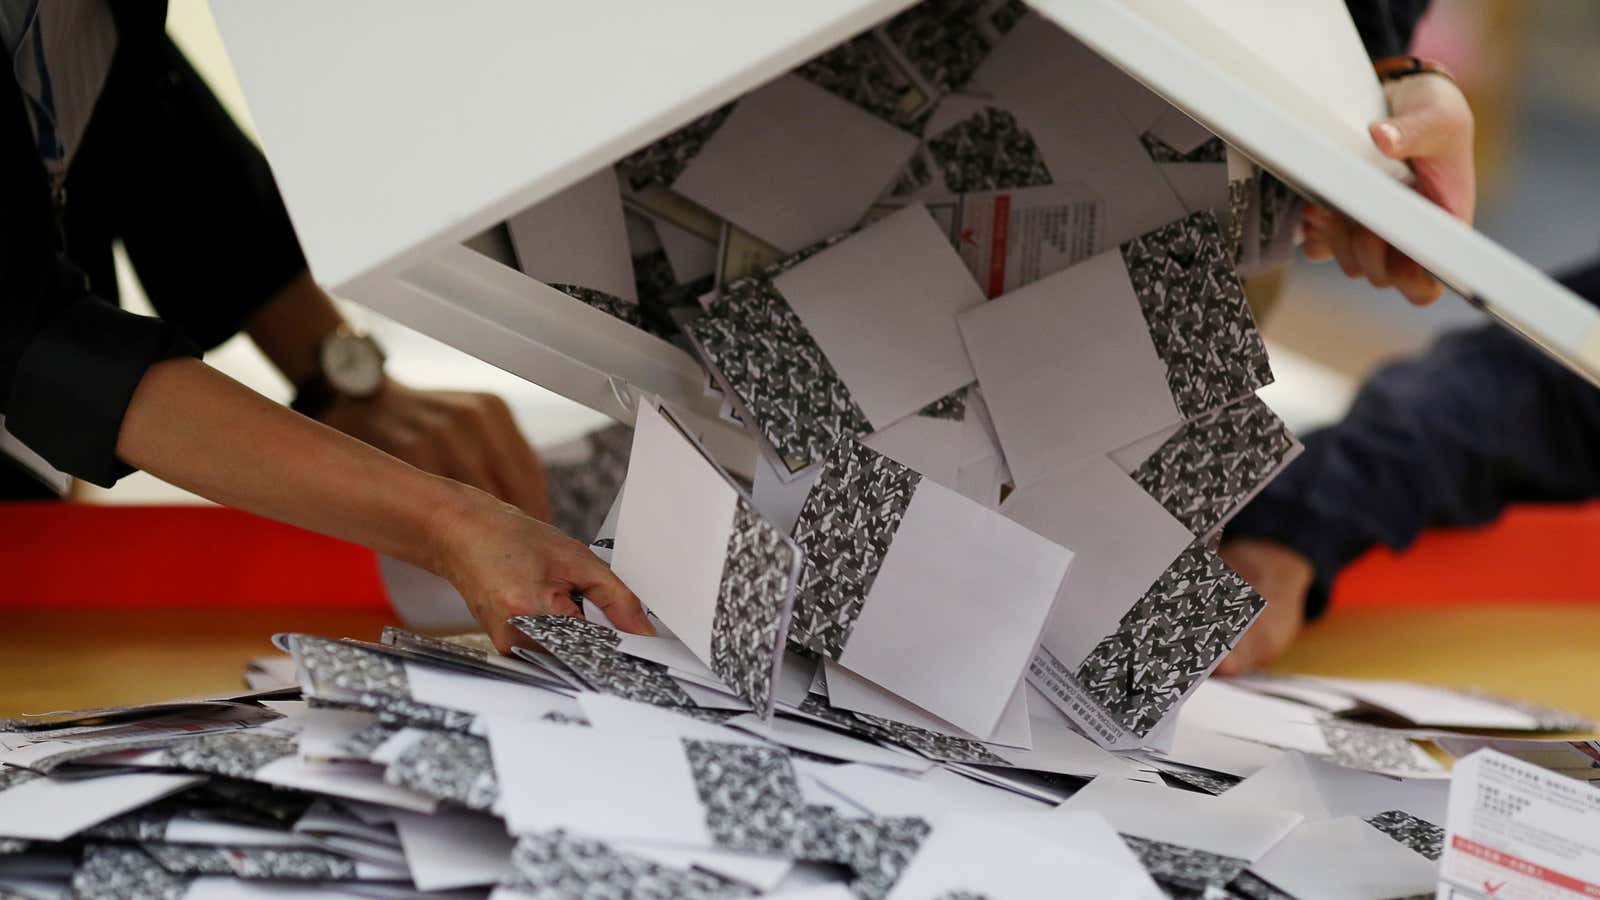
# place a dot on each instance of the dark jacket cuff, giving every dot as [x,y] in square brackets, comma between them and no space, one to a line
[74,382]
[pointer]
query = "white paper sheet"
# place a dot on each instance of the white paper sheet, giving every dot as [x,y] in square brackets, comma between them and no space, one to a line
[577,237]
[933,795]
[793,164]
[822,741]
[455,849]
[847,690]
[1008,858]
[672,535]
[965,589]
[882,305]
[616,716]
[1518,832]
[1068,368]
[923,444]
[1158,813]
[1318,789]
[481,696]
[53,809]
[1346,859]
[353,781]
[1121,540]
[1078,108]
[541,789]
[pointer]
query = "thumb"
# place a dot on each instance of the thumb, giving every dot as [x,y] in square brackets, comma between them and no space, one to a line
[1422,132]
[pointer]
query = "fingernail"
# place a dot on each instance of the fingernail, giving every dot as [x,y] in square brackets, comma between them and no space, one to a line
[1390,133]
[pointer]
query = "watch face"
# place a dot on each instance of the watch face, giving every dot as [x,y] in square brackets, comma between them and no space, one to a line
[353,364]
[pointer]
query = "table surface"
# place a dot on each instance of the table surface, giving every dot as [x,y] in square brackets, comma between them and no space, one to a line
[54,660]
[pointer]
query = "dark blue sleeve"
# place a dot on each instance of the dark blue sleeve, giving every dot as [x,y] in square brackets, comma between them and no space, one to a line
[1451,437]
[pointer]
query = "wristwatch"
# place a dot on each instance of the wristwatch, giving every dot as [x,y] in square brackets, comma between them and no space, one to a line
[350,364]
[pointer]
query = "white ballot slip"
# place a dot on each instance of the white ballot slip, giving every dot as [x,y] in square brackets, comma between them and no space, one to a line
[793,164]
[1518,832]
[577,237]
[882,305]
[1003,857]
[1014,237]
[53,809]
[700,556]
[1124,344]
[896,561]
[1141,567]
[847,690]
[1184,818]
[1344,859]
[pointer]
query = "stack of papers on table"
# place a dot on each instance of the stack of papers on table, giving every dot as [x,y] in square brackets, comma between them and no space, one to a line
[421,767]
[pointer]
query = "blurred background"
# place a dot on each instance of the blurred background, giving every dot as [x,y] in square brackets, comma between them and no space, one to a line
[1529,67]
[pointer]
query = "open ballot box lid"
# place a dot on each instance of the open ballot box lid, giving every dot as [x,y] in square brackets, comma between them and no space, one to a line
[398,130]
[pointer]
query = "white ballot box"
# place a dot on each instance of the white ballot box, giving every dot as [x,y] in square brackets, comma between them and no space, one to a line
[397,130]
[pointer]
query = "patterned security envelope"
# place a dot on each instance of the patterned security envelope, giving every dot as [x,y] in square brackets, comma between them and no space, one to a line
[697,553]
[1117,347]
[1145,614]
[845,339]
[920,590]
[1209,468]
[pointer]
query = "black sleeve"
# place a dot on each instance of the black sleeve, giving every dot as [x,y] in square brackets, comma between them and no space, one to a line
[190,196]
[1386,26]
[1451,437]
[69,361]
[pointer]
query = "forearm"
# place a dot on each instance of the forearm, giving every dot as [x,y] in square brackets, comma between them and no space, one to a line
[289,329]
[194,427]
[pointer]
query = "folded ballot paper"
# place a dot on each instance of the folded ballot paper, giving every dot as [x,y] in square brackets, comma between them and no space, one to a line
[973,293]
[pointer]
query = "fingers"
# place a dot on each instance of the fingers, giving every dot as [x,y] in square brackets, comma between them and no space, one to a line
[595,580]
[1428,130]
[1412,280]
[1373,256]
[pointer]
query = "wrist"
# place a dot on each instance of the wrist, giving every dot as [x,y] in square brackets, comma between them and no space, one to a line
[452,514]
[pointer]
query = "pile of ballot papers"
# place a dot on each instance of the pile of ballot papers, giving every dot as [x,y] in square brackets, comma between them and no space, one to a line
[975,297]
[606,765]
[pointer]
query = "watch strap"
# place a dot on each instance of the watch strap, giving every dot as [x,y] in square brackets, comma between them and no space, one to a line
[314,396]
[1394,68]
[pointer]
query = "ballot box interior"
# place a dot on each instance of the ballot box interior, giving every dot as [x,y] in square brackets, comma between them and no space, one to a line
[398,132]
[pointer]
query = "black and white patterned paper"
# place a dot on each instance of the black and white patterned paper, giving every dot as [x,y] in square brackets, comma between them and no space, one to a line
[988,151]
[1169,639]
[236,754]
[367,679]
[881,849]
[448,766]
[590,651]
[946,40]
[750,794]
[581,493]
[863,72]
[793,395]
[931,744]
[1253,887]
[1173,865]
[1213,464]
[277,863]
[1418,834]
[662,162]
[112,872]
[753,603]
[844,529]
[559,866]
[1370,749]
[1194,306]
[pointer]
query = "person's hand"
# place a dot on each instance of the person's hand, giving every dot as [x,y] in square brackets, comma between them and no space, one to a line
[1429,127]
[1279,574]
[468,437]
[506,563]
